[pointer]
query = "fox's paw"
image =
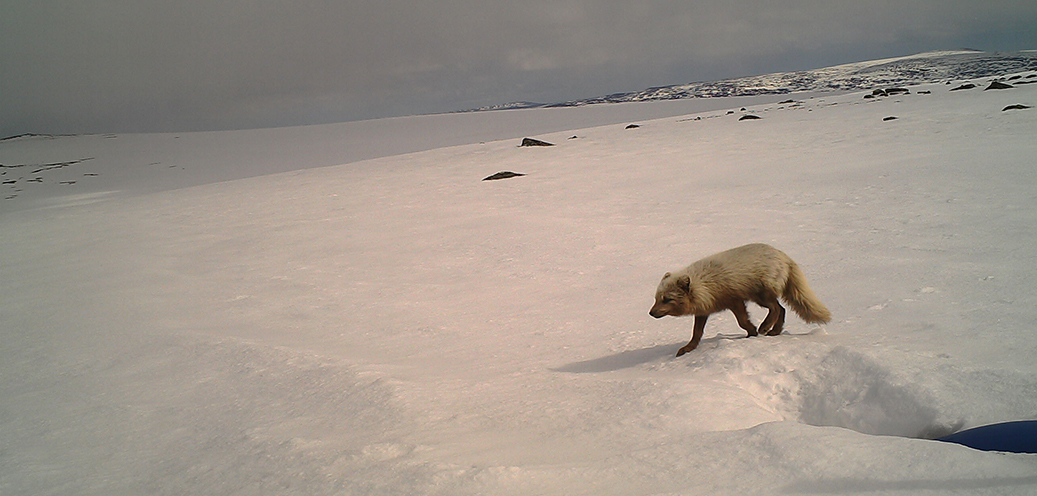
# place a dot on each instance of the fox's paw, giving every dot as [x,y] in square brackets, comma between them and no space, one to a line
[685,349]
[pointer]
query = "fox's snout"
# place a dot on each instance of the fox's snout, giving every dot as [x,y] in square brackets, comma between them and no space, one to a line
[657,313]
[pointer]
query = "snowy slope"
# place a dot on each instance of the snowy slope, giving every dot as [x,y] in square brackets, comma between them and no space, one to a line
[40,170]
[398,326]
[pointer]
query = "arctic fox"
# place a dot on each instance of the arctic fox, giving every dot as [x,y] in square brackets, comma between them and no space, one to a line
[725,281]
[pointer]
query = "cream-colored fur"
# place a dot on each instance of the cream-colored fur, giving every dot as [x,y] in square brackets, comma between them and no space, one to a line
[725,281]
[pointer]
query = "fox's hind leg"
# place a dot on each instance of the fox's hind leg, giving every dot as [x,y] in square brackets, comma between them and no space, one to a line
[742,316]
[774,322]
[779,324]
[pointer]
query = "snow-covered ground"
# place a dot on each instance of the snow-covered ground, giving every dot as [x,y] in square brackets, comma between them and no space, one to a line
[395,325]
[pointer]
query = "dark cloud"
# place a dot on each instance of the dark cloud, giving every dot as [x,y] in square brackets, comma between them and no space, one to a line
[123,65]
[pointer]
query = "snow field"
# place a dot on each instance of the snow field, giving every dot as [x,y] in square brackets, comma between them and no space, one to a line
[397,326]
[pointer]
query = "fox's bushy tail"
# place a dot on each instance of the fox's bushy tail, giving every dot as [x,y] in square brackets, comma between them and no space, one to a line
[802,299]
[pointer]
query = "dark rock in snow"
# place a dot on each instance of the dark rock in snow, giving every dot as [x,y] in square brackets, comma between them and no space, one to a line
[966,86]
[748,117]
[878,92]
[502,175]
[890,118]
[897,91]
[998,85]
[535,142]
[633,126]
[1017,106]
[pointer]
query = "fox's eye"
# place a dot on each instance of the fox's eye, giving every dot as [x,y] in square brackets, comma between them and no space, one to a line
[667,301]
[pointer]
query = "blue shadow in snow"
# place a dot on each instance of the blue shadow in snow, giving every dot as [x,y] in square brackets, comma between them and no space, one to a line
[1011,437]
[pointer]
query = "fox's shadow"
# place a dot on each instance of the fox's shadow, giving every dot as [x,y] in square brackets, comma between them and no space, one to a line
[630,358]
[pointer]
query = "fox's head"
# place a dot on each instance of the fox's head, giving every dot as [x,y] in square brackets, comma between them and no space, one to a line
[673,296]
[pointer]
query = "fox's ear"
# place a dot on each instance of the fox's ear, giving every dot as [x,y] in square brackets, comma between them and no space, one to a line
[684,283]
[666,275]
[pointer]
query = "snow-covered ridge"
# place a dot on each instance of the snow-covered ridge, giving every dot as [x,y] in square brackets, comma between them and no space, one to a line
[928,67]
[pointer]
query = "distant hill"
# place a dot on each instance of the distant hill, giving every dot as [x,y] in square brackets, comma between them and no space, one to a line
[928,67]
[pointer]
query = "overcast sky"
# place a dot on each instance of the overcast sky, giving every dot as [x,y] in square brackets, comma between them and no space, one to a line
[72,66]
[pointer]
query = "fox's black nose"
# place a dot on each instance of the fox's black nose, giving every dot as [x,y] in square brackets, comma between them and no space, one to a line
[654,314]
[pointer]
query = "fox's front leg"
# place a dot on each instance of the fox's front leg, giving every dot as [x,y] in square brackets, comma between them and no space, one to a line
[696,335]
[742,316]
